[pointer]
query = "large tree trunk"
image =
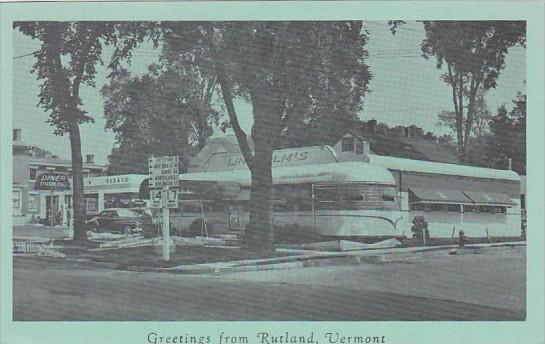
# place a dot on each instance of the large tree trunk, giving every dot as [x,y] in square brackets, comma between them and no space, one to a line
[77,184]
[259,234]
[265,132]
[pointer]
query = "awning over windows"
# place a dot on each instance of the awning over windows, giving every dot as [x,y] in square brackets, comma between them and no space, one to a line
[444,196]
[489,198]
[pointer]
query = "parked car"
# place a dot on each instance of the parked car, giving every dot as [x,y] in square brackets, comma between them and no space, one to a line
[121,220]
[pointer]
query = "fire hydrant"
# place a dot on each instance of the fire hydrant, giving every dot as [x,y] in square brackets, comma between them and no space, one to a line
[462,238]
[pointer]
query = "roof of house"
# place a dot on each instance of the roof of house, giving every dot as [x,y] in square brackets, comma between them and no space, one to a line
[407,147]
[62,163]
[22,144]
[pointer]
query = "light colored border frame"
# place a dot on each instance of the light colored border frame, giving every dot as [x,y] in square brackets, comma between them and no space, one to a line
[418,332]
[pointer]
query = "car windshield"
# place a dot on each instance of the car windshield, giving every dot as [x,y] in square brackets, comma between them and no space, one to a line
[126,213]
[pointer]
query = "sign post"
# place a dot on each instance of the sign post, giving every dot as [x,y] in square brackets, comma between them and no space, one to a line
[164,175]
[52,209]
[166,230]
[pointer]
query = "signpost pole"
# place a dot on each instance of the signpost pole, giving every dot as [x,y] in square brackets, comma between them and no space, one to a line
[166,228]
[164,175]
[51,209]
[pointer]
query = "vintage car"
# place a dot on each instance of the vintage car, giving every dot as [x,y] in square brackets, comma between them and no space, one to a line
[121,220]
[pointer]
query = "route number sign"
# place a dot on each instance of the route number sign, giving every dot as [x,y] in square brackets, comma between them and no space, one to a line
[164,172]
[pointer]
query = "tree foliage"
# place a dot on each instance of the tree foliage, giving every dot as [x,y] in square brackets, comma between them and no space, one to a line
[474,53]
[508,137]
[66,61]
[167,111]
[285,70]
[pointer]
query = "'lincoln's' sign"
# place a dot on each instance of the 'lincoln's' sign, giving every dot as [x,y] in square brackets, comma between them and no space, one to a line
[282,157]
[52,181]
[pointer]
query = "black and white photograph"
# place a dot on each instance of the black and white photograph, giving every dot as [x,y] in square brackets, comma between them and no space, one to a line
[285,170]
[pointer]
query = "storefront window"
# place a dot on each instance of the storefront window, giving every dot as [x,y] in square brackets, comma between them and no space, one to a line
[91,204]
[33,202]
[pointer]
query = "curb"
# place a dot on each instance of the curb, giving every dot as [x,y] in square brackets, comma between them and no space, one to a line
[312,259]
[345,258]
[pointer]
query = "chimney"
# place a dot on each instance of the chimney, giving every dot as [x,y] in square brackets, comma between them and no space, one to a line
[407,131]
[90,159]
[509,164]
[17,135]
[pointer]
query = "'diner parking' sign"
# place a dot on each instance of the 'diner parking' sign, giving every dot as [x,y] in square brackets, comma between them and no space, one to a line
[52,181]
[164,172]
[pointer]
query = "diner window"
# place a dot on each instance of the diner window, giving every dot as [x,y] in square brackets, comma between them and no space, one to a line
[501,210]
[389,195]
[454,208]
[417,207]
[437,207]
[492,209]
[349,198]
[348,144]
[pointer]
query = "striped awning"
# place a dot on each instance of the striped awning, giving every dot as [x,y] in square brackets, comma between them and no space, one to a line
[489,198]
[443,196]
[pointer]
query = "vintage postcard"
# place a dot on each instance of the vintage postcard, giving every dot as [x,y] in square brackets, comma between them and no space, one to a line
[272,172]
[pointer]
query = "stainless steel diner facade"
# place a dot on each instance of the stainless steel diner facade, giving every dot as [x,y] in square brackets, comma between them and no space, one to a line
[481,201]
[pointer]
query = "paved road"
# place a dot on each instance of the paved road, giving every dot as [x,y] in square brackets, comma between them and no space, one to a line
[492,287]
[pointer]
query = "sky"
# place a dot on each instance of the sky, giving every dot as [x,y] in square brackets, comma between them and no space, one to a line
[405,89]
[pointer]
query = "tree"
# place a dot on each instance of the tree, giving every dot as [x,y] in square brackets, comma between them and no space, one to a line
[65,62]
[508,137]
[481,117]
[278,67]
[474,52]
[167,111]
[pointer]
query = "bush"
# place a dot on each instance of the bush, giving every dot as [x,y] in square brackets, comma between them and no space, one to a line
[196,228]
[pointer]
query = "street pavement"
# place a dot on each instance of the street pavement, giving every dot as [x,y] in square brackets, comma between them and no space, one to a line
[485,286]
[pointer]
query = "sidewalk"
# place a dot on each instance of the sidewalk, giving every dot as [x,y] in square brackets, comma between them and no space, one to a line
[39,232]
[212,259]
[299,259]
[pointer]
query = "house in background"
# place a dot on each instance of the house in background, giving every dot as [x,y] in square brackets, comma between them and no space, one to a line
[30,204]
[20,186]
[357,142]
